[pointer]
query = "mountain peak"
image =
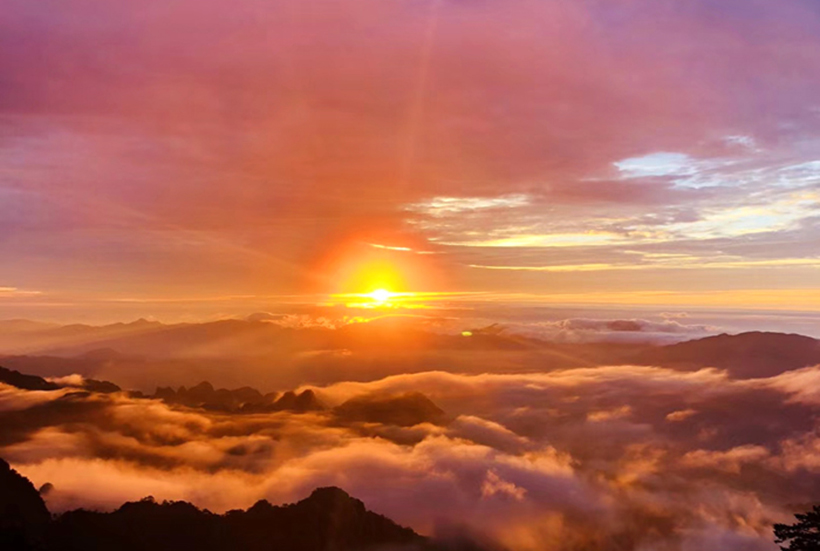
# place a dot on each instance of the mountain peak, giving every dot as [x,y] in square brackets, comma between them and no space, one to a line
[330,493]
[403,409]
[204,386]
[745,355]
[23,514]
[328,519]
[25,382]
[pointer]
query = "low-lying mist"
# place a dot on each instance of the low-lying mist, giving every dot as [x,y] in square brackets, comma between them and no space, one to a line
[605,457]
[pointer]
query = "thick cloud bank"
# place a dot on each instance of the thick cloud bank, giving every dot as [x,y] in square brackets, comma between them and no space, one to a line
[618,457]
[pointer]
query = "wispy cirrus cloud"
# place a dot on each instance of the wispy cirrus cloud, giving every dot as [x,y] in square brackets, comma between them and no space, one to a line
[442,206]
[14,292]
[672,261]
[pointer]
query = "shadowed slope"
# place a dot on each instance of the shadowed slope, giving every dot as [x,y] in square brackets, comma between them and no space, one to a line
[747,355]
[23,515]
[404,410]
[25,382]
[328,520]
[33,382]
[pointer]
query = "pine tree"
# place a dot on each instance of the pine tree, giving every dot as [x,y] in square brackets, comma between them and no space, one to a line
[804,535]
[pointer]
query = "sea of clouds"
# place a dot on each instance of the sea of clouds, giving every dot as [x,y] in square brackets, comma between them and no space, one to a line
[613,457]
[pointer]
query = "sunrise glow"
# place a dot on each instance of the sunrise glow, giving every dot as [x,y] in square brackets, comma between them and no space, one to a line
[381,295]
[519,275]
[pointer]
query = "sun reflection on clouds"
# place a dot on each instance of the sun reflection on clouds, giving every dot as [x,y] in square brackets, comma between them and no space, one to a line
[385,299]
[399,249]
[7,292]
[545,240]
[441,206]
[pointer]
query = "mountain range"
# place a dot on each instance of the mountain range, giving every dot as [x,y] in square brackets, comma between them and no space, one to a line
[744,356]
[142,353]
[328,520]
[402,409]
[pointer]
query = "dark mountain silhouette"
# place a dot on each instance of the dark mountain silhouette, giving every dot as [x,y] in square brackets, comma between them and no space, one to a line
[104,387]
[747,355]
[304,401]
[404,410]
[203,395]
[245,399]
[52,366]
[328,520]
[32,382]
[24,517]
[25,382]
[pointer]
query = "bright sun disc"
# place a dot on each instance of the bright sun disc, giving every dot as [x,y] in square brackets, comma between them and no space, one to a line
[380,295]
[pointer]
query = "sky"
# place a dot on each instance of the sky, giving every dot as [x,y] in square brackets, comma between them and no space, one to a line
[213,155]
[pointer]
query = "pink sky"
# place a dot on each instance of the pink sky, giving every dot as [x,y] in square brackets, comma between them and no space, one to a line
[599,148]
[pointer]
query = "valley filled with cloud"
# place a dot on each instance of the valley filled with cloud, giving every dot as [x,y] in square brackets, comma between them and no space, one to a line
[600,456]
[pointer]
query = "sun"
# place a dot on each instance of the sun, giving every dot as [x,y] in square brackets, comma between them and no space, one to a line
[380,295]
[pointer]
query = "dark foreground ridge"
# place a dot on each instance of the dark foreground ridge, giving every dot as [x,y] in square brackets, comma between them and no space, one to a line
[328,520]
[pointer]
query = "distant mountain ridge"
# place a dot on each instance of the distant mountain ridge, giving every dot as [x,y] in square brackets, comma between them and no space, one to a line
[746,355]
[245,399]
[328,520]
[33,382]
[123,350]
[236,337]
[402,409]
[25,382]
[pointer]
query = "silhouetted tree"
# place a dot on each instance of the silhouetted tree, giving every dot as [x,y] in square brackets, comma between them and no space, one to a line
[804,535]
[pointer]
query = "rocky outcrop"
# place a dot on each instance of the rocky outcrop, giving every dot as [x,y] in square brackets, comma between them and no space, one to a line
[407,409]
[25,382]
[245,399]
